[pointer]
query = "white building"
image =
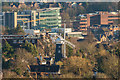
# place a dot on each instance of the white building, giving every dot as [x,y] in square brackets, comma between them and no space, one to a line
[61,30]
[75,34]
[2,18]
[31,31]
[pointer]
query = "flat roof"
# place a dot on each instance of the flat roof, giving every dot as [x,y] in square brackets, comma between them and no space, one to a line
[47,9]
[75,33]
[23,15]
[61,28]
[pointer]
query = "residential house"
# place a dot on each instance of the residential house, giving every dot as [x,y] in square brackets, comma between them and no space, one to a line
[49,60]
[13,6]
[18,40]
[22,5]
[114,27]
[44,69]
[102,38]
[108,33]
[35,5]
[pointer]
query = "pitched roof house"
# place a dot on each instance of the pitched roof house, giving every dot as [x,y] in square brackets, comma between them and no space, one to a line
[44,69]
[102,38]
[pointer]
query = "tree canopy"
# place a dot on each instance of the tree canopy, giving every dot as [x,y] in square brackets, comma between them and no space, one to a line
[78,66]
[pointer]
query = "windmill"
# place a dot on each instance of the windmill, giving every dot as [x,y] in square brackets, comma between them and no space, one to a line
[61,45]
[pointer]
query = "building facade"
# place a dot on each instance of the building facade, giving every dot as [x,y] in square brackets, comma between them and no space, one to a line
[27,16]
[83,23]
[52,15]
[104,18]
[61,30]
[98,18]
[2,18]
[10,19]
[33,19]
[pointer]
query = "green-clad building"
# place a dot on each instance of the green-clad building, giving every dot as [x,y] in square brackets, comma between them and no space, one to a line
[51,15]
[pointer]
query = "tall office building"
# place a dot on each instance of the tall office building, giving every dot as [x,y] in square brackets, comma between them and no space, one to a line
[2,17]
[10,19]
[29,18]
[103,18]
[83,23]
[98,18]
[52,15]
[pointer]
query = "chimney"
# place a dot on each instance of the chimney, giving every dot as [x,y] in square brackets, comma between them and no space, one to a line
[100,36]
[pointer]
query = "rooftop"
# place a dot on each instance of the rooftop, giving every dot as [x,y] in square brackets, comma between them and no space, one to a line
[44,68]
[47,9]
[75,33]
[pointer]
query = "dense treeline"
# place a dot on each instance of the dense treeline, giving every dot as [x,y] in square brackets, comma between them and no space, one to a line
[86,7]
[90,58]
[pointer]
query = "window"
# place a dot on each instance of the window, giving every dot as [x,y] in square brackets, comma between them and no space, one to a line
[83,24]
[83,21]
[14,41]
[20,41]
[28,40]
[59,51]
[33,41]
[112,16]
[59,47]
